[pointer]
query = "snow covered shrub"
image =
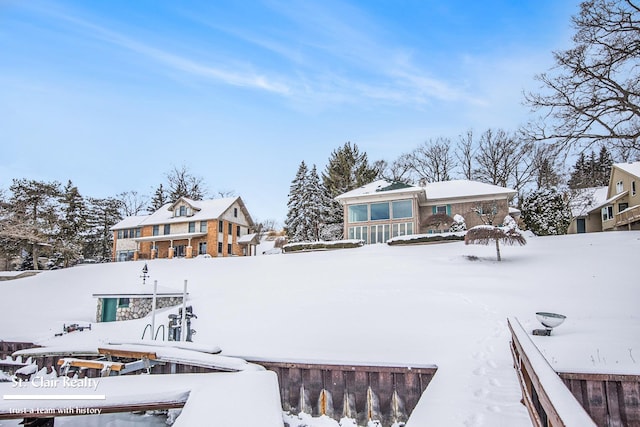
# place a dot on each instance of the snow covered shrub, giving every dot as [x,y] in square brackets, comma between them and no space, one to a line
[545,212]
[458,224]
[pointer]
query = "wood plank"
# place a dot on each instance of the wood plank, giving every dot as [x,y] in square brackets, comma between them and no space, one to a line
[613,404]
[631,393]
[127,353]
[597,408]
[92,364]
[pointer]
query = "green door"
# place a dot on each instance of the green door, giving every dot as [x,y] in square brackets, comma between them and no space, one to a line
[109,306]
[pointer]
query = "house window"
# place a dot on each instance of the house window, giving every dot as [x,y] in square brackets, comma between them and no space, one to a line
[633,188]
[192,227]
[358,213]
[230,228]
[402,209]
[183,211]
[220,226]
[622,206]
[235,212]
[238,231]
[440,210]
[619,187]
[379,233]
[138,232]
[358,233]
[167,229]
[380,211]
[402,229]
[120,234]
[607,213]
[219,247]
[123,302]
[156,230]
[203,226]
[202,248]
[229,248]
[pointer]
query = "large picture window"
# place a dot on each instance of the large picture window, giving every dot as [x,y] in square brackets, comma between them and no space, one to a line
[379,211]
[358,213]
[402,209]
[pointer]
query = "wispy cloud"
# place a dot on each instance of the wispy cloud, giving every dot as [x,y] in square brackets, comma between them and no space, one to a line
[172,60]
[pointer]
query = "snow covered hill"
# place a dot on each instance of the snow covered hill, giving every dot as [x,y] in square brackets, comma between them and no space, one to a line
[443,304]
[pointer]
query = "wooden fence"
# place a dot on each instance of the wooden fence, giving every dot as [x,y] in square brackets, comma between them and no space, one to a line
[611,400]
[386,394]
[548,400]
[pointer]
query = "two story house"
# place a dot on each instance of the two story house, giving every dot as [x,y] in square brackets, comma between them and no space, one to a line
[382,210]
[185,228]
[621,210]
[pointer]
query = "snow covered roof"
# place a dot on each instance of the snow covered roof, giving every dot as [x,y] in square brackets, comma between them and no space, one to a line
[585,200]
[632,167]
[434,190]
[138,290]
[130,222]
[202,210]
[380,186]
[463,188]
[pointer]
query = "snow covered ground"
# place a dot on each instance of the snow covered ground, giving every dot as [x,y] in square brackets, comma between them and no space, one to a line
[443,304]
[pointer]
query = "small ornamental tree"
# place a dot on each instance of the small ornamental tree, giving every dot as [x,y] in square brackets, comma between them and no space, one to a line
[437,220]
[486,234]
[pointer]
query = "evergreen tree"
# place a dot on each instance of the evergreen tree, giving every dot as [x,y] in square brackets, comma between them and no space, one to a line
[158,200]
[346,170]
[294,223]
[545,212]
[102,215]
[317,205]
[578,177]
[73,225]
[605,162]
[34,216]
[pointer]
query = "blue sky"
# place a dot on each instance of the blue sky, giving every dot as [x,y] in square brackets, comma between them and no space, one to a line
[114,94]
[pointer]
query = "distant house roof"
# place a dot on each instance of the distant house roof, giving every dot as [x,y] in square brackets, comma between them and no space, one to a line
[585,200]
[632,168]
[202,210]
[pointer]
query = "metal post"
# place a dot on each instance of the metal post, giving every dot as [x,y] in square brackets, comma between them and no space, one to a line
[183,323]
[153,309]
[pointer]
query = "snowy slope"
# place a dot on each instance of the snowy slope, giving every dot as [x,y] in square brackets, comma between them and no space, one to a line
[444,304]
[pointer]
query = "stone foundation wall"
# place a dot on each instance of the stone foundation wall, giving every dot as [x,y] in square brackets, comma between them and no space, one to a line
[140,307]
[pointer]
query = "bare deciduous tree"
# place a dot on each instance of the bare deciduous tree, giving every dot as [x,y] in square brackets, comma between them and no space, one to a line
[432,160]
[465,153]
[132,202]
[592,95]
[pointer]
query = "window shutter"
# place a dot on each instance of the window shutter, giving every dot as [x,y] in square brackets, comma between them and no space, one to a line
[434,210]
[449,210]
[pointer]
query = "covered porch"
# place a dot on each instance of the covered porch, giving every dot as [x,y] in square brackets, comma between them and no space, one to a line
[181,250]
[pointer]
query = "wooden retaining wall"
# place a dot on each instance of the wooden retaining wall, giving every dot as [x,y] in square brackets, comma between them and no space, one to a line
[387,394]
[548,400]
[611,400]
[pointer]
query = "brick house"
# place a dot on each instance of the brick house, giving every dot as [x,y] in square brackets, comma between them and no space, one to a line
[382,210]
[185,228]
